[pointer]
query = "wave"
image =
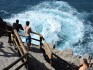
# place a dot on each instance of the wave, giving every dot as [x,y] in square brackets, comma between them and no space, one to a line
[59,23]
[3,11]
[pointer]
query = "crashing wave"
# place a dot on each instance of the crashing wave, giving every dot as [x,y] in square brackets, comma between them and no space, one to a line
[58,22]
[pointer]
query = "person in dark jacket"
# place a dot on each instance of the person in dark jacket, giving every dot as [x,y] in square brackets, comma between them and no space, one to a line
[17,26]
[2,26]
[5,28]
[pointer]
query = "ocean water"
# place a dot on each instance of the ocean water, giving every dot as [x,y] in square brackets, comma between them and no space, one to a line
[64,23]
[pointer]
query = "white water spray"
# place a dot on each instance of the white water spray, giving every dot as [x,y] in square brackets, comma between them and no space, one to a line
[57,21]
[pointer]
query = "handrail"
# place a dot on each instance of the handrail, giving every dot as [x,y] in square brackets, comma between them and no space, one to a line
[47,45]
[20,41]
[21,49]
[31,38]
[18,47]
[11,65]
[21,46]
[42,39]
[21,65]
[6,30]
[23,52]
[49,51]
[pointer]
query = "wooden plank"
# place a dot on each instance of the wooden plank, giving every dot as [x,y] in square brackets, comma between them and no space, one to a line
[20,41]
[6,30]
[18,47]
[31,37]
[15,62]
[35,39]
[47,50]
[36,33]
[21,65]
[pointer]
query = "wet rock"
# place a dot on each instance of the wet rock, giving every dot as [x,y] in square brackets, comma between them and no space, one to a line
[68,51]
[86,56]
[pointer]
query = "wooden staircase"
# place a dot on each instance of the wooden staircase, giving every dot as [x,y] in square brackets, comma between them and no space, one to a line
[8,54]
[39,57]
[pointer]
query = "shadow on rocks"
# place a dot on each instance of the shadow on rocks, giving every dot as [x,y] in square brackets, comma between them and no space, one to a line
[34,64]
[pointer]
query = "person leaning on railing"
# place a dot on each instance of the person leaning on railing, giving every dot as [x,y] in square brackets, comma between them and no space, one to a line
[17,26]
[27,30]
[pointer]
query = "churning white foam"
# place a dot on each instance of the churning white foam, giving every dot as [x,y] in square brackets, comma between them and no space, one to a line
[57,21]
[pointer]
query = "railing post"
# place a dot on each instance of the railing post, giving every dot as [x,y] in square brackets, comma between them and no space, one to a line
[51,59]
[27,65]
[40,42]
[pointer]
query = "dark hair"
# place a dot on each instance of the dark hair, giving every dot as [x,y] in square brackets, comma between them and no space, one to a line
[17,21]
[27,23]
[85,61]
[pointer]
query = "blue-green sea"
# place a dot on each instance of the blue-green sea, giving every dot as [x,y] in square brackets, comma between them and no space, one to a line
[63,23]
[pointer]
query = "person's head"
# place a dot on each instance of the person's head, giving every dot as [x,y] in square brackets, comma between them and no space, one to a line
[27,23]
[86,62]
[17,21]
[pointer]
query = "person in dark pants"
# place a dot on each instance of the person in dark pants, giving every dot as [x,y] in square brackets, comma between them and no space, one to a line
[5,28]
[9,32]
[2,26]
[17,26]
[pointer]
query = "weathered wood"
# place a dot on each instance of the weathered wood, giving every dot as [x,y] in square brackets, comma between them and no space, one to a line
[36,33]
[47,50]
[15,62]
[35,39]
[31,37]
[40,42]
[20,41]
[18,47]
[44,45]
[6,30]
[21,65]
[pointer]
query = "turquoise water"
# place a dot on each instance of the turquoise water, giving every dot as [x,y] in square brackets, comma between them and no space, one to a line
[61,24]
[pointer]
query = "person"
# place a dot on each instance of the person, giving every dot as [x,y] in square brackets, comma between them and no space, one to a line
[17,26]
[5,28]
[9,32]
[27,30]
[85,65]
[2,26]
